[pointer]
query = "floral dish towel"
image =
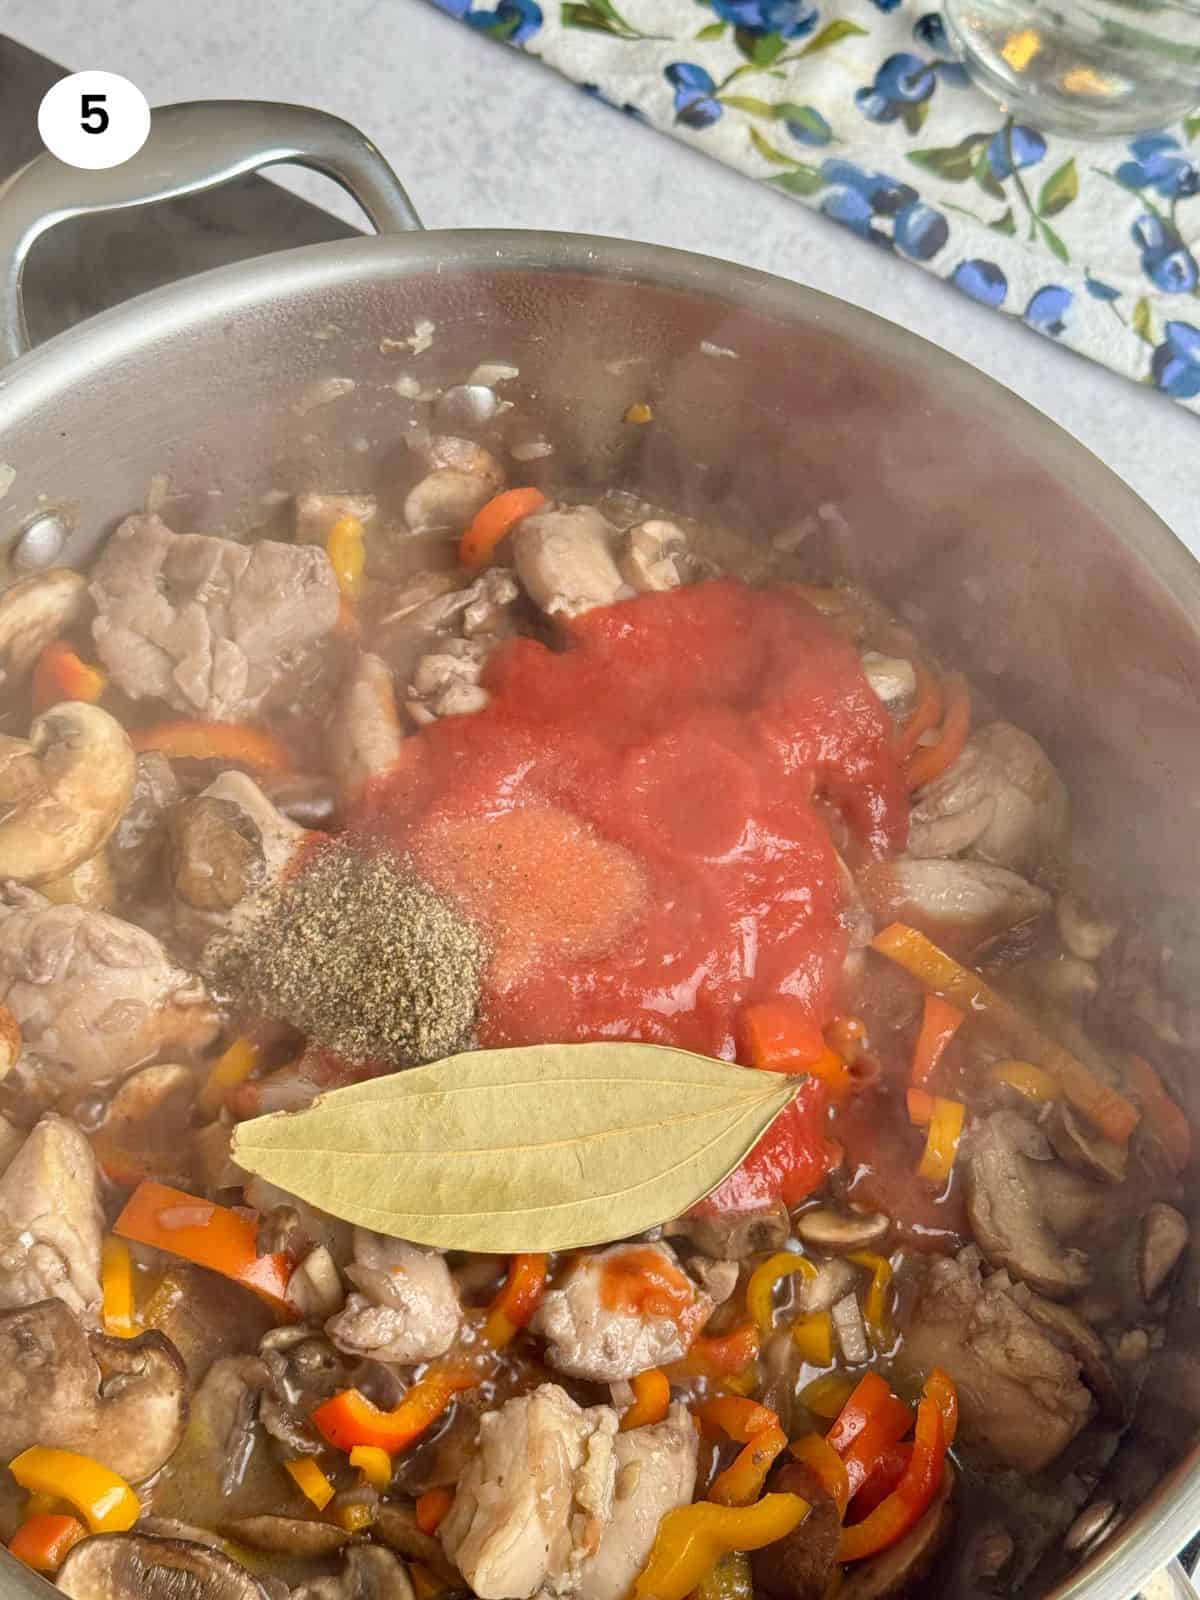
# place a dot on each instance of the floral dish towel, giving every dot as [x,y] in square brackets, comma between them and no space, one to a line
[859,109]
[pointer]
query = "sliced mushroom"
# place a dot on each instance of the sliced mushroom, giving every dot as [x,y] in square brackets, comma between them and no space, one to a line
[89,884]
[1085,933]
[365,734]
[62,791]
[396,1525]
[143,1566]
[1072,1332]
[51,1221]
[900,1568]
[123,1401]
[1083,1150]
[317,513]
[34,612]
[369,1573]
[960,904]
[465,476]
[656,557]
[1165,1235]
[734,1235]
[1006,1217]
[838,1232]
[216,853]
[137,841]
[287,1536]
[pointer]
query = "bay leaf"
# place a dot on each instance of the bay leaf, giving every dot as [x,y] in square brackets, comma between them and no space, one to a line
[546,1147]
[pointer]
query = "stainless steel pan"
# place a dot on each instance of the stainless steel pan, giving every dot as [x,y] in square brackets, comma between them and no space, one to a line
[1070,602]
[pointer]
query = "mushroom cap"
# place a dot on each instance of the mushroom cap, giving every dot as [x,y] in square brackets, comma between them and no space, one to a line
[62,791]
[143,1566]
[826,1229]
[34,612]
[123,1401]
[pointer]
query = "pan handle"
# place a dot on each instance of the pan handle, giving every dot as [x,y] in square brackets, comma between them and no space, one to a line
[190,148]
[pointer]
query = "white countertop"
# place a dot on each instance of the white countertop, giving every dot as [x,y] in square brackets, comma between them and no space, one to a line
[488,138]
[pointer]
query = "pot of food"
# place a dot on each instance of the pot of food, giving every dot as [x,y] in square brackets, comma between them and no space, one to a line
[582,653]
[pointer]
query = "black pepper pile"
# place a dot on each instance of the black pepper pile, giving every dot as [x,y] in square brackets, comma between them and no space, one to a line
[361,955]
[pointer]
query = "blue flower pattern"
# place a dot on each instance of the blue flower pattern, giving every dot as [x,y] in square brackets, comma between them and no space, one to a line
[859,108]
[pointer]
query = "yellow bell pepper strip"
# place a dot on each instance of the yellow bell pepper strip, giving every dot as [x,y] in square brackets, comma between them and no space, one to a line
[761,1288]
[941,1142]
[42,1541]
[742,1481]
[735,1416]
[692,1539]
[347,554]
[1035,1083]
[374,1464]
[813,1337]
[940,1021]
[912,1496]
[729,1579]
[920,1107]
[214,741]
[875,1301]
[349,1418]
[116,1280]
[939,1387]
[722,1356]
[639,413]
[827,1467]
[60,674]
[1105,1107]
[432,1507]
[929,761]
[1164,1116]
[232,1066]
[493,523]
[514,1306]
[36,1504]
[925,714]
[651,1400]
[826,1396]
[311,1481]
[106,1501]
[210,1235]
[355,1516]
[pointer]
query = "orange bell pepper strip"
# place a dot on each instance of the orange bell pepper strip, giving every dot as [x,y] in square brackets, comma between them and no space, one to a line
[210,1235]
[827,1467]
[734,1416]
[651,1400]
[939,1023]
[779,1036]
[347,554]
[432,1507]
[939,1387]
[925,714]
[215,741]
[514,1306]
[1105,1107]
[920,1107]
[116,1281]
[928,762]
[61,674]
[1035,1084]
[871,1420]
[349,1418]
[43,1541]
[867,1397]
[495,521]
[722,1356]
[105,1500]
[912,1496]
[742,1481]
[1164,1116]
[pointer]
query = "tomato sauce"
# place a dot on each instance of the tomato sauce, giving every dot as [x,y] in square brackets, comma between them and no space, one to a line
[643,1282]
[636,819]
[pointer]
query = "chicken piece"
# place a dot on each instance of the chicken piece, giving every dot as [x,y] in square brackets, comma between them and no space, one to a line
[463,478]
[408,1310]
[958,904]
[655,1473]
[365,735]
[51,1221]
[1019,1392]
[448,682]
[595,1329]
[211,626]
[533,1503]
[95,996]
[565,561]
[1001,801]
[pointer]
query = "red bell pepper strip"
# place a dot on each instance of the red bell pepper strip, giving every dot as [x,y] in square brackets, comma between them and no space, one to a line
[1164,1116]
[722,1356]
[889,1469]
[940,1021]
[349,1418]
[912,1496]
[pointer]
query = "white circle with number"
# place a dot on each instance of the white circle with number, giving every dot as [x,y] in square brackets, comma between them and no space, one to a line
[94,119]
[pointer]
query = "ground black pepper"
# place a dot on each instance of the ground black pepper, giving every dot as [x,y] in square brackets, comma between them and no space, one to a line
[361,955]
